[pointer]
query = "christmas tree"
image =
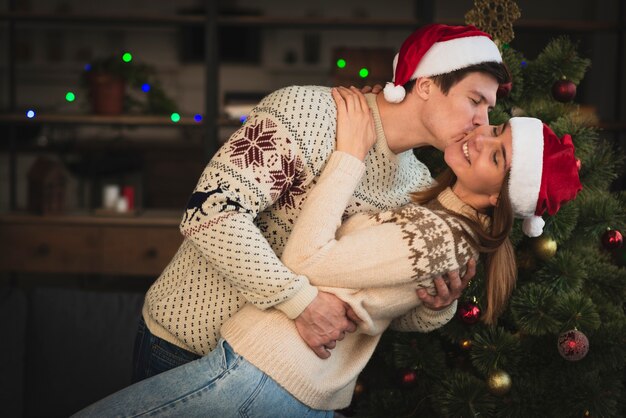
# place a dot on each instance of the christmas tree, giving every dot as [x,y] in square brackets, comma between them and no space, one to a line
[560,348]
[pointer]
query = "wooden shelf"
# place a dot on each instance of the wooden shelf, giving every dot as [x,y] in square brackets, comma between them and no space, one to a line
[287,22]
[105,19]
[89,119]
[195,19]
[145,218]
[319,22]
[109,19]
[117,120]
[555,25]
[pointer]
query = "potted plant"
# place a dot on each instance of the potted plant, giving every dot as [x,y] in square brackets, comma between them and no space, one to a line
[110,81]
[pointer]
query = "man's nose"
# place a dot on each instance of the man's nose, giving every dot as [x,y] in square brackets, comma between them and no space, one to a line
[481,117]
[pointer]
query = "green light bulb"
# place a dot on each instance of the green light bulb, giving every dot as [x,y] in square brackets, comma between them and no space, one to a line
[364,72]
[341,63]
[70,97]
[175,117]
[127,57]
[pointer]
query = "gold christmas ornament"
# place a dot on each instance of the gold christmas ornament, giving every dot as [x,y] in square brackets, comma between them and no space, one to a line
[495,17]
[499,382]
[465,344]
[359,388]
[544,247]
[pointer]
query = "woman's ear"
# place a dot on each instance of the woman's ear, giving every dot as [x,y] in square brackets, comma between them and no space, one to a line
[493,199]
[423,87]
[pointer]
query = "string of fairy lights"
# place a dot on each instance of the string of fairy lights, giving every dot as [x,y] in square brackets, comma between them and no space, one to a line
[175,117]
[363,72]
[127,57]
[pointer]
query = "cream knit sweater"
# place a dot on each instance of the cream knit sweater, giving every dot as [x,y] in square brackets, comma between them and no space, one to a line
[382,258]
[243,209]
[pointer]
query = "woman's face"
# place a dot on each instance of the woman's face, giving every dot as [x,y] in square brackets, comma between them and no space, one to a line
[480,161]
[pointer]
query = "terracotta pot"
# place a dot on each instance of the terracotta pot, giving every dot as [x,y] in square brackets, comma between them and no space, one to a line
[107,94]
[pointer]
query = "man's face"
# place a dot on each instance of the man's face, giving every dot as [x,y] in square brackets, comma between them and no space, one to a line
[449,117]
[481,160]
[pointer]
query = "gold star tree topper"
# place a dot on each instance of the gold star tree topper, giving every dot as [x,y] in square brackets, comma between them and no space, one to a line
[495,17]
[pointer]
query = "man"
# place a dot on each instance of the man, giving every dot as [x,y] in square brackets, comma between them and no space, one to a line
[249,195]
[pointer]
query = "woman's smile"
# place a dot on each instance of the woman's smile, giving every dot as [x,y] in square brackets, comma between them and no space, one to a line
[465,148]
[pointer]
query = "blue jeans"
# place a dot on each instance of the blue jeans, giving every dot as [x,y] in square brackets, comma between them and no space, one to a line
[153,355]
[222,384]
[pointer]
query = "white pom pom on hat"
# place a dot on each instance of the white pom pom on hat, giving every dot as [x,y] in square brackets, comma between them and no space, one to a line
[533,226]
[394,94]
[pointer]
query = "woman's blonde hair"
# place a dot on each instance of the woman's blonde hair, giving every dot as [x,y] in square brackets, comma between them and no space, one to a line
[494,245]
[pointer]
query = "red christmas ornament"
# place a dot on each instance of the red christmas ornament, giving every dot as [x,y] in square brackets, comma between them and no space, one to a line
[408,377]
[612,239]
[573,345]
[564,91]
[504,90]
[469,313]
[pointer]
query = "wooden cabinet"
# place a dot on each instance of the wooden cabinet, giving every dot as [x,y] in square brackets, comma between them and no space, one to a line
[140,245]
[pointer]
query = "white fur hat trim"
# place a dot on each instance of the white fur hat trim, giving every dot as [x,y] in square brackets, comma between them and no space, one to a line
[526,165]
[445,57]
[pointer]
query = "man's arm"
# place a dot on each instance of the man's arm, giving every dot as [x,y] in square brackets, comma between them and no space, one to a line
[260,165]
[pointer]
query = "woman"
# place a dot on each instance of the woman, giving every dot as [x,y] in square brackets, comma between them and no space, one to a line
[261,366]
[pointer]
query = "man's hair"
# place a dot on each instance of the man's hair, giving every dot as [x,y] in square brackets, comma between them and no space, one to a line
[446,81]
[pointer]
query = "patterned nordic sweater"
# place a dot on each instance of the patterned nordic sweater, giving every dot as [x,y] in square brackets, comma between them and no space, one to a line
[382,257]
[243,209]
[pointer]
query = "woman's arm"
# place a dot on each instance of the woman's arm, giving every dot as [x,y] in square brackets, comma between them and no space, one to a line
[323,210]
[422,319]
[382,251]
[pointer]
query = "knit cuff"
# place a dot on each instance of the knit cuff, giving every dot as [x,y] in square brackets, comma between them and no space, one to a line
[299,301]
[440,317]
[345,163]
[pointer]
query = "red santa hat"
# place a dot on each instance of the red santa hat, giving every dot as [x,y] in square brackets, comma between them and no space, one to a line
[544,172]
[438,49]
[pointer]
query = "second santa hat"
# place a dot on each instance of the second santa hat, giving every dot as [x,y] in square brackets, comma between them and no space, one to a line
[438,49]
[544,172]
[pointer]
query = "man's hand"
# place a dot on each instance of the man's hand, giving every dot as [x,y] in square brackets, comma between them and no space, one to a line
[447,293]
[323,323]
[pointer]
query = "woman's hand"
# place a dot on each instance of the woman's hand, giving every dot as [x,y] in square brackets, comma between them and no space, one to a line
[355,124]
[377,88]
